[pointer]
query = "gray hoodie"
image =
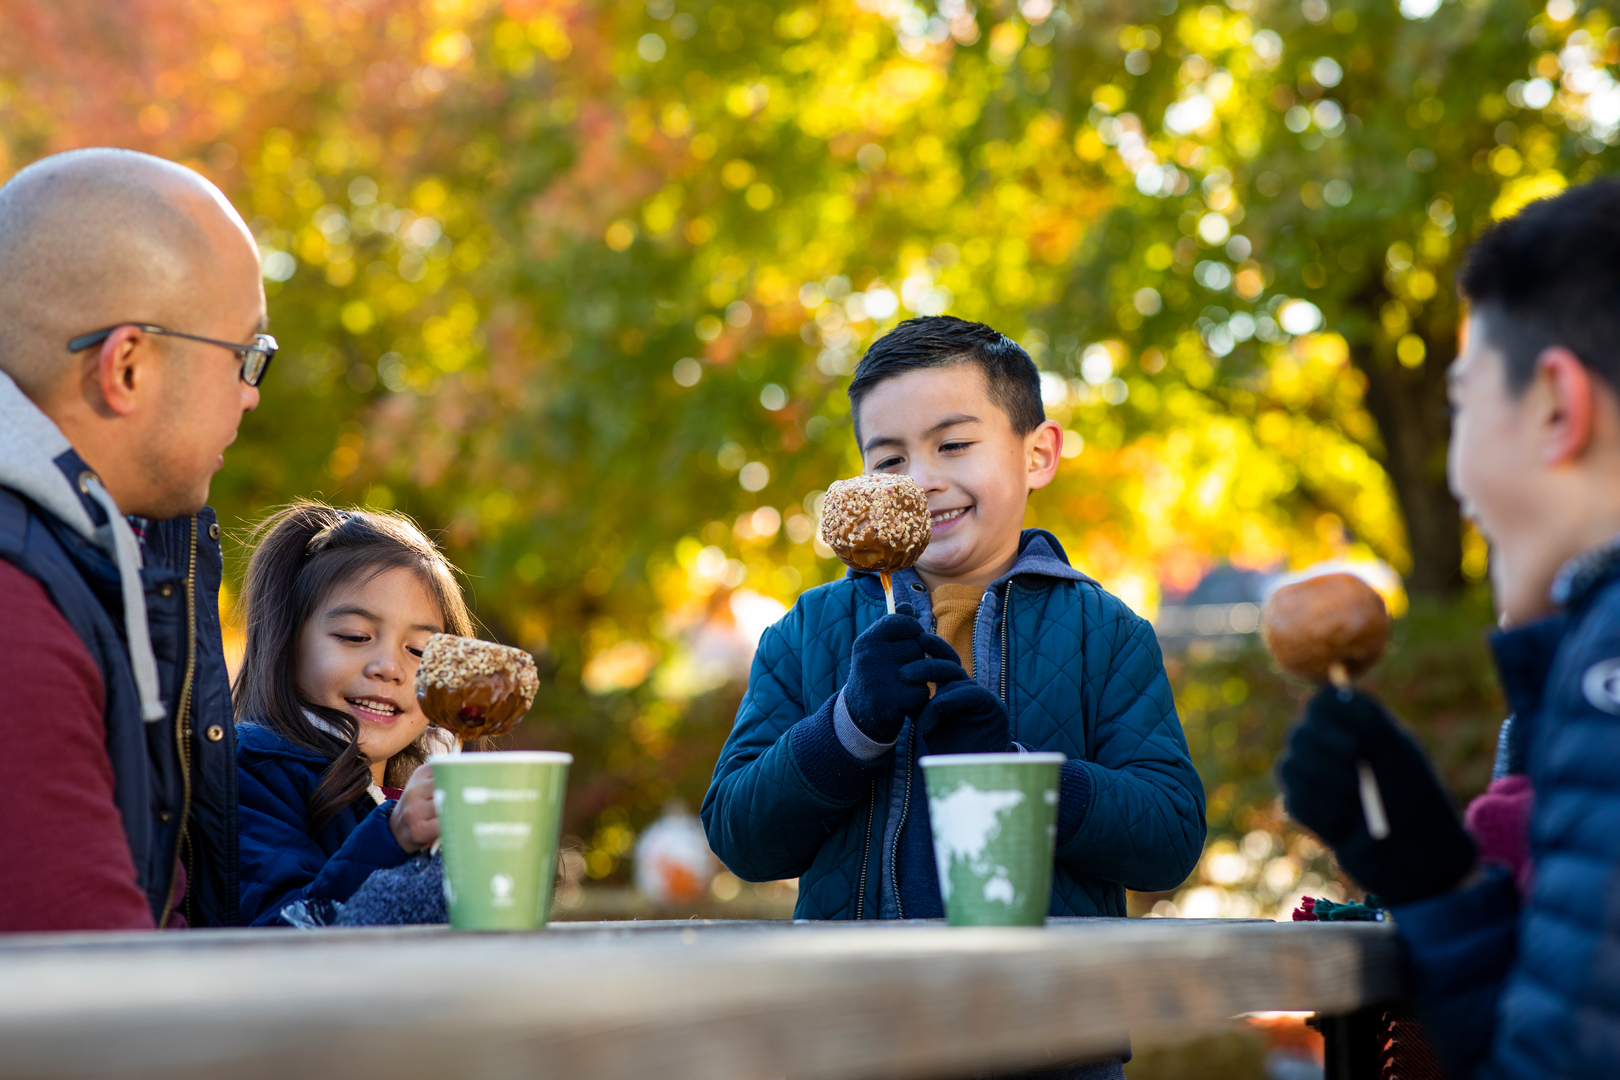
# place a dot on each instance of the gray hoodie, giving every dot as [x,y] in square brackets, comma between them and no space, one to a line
[30,444]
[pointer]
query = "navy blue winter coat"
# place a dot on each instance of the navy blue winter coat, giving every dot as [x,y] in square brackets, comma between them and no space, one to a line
[281,860]
[1077,671]
[1532,989]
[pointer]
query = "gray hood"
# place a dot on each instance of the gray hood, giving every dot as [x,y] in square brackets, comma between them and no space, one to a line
[30,443]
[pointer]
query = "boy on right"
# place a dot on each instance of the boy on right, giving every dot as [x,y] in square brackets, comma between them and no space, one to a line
[1510,985]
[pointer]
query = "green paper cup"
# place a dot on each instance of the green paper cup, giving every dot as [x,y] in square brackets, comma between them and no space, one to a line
[499,816]
[994,818]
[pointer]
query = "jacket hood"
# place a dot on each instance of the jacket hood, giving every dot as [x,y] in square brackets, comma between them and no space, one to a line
[33,451]
[1039,554]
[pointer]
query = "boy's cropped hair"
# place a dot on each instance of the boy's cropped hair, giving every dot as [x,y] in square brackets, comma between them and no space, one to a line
[933,341]
[1551,276]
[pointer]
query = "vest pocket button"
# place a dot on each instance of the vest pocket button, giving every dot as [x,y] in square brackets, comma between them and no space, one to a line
[214,733]
[213,531]
[165,590]
[166,816]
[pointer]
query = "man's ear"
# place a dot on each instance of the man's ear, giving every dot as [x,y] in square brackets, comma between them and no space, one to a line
[123,369]
[1042,449]
[1571,405]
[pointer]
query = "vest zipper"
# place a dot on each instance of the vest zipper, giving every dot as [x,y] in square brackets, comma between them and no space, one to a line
[182,736]
[866,850]
[1006,621]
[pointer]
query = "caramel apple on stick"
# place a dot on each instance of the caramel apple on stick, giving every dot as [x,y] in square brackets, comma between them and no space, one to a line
[474,688]
[1332,629]
[878,521]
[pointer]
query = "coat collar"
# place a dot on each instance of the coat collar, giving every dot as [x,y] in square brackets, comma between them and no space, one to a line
[1039,555]
[1524,657]
[1581,576]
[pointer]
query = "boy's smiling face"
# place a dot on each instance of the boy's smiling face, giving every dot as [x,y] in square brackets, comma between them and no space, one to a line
[1535,469]
[940,427]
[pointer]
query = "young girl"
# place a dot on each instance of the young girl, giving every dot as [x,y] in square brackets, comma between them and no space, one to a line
[330,739]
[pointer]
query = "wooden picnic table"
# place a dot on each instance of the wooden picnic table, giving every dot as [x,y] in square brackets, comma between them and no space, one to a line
[664,1000]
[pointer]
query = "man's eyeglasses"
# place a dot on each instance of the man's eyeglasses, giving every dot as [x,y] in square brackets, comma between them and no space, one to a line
[255,357]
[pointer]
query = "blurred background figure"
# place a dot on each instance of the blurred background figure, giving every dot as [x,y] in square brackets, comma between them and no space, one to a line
[674,865]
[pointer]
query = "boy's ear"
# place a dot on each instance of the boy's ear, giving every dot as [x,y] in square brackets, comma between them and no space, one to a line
[1570,403]
[1043,447]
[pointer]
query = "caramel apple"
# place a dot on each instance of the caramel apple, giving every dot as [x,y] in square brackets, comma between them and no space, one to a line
[475,688]
[1330,628]
[878,521]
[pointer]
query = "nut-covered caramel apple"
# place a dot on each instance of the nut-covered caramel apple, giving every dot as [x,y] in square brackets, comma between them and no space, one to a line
[474,688]
[878,521]
[1330,628]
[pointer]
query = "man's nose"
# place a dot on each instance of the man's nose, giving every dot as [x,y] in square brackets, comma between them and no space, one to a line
[250,398]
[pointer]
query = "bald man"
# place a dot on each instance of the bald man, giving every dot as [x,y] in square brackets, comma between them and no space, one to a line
[131,345]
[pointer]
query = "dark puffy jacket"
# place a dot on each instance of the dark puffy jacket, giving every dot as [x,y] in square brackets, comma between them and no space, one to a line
[1077,671]
[1532,989]
[281,860]
[163,777]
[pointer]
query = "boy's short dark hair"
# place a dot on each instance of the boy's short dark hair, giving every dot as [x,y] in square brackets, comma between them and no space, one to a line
[932,341]
[1551,276]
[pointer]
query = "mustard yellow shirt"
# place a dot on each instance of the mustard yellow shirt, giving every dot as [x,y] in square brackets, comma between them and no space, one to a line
[956,609]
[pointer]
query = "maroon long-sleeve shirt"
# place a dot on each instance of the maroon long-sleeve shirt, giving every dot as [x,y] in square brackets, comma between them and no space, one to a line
[64,860]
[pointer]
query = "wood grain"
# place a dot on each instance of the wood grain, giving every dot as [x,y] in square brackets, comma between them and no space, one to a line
[675,1001]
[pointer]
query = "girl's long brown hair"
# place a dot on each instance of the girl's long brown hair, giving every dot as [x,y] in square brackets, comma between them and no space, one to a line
[300,554]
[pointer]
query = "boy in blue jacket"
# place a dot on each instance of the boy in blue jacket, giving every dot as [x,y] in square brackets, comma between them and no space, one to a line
[1510,985]
[819,779]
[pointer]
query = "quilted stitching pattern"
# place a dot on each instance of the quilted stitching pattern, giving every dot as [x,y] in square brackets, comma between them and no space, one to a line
[1085,677]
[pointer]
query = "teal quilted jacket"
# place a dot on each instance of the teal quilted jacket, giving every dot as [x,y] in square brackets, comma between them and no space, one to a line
[1078,672]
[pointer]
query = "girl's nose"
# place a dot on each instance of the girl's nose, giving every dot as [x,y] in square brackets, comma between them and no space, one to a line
[386,667]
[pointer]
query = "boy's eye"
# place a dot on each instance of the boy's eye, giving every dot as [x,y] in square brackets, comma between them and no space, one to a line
[953,447]
[888,463]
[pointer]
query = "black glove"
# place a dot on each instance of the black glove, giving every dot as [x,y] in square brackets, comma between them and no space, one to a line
[889,675]
[963,717]
[1426,852]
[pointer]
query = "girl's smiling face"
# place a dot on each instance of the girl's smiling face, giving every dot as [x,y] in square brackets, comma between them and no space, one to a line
[358,653]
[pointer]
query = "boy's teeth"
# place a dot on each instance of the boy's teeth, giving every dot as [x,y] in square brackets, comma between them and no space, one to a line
[948,515]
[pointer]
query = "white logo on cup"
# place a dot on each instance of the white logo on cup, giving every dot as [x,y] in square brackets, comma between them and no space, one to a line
[518,829]
[480,795]
[501,886]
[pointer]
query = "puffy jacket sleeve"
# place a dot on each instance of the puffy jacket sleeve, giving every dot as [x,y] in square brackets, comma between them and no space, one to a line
[783,782]
[1458,949]
[281,862]
[1143,824]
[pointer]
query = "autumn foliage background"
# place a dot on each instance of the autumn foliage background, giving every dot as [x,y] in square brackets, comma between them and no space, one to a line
[579,286]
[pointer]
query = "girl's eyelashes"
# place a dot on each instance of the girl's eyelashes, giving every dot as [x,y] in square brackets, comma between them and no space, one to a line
[354,638]
[414,651]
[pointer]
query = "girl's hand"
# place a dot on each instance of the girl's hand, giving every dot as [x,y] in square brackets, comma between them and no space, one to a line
[413,821]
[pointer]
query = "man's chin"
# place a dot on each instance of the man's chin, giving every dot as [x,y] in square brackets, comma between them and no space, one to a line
[177,504]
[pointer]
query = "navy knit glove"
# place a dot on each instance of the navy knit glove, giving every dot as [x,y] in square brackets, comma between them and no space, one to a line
[963,717]
[1426,852]
[879,695]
